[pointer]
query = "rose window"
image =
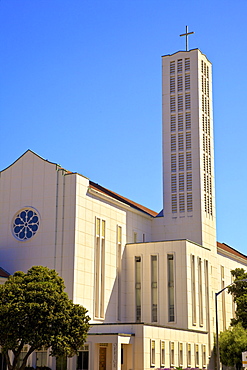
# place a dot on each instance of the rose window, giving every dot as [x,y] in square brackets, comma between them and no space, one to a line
[25,224]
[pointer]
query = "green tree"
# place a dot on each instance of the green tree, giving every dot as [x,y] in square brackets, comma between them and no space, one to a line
[239,293]
[232,343]
[35,311]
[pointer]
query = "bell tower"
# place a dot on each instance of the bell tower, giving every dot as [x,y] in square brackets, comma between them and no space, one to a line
[188,148]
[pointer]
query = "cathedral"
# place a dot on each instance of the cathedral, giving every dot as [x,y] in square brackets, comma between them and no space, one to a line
[147,279]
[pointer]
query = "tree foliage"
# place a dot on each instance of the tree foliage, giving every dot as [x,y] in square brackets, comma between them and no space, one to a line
[232,343]
[239,293]
[35,311]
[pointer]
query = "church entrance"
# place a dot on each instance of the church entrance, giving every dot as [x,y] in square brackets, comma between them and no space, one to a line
[102,358]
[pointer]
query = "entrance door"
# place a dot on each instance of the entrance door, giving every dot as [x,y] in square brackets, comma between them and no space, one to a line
[102,358]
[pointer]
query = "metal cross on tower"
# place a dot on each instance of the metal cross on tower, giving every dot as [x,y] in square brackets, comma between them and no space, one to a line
[186,35]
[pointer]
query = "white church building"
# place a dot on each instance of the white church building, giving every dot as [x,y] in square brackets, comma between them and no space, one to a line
[148,280]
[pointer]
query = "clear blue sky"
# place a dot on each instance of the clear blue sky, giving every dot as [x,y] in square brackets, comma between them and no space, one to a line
[80,84]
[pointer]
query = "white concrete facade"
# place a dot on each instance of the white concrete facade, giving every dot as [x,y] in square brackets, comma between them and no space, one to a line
[148,280]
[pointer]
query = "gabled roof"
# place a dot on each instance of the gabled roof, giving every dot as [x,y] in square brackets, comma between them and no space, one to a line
[3,273]
[231,250]
[97,187]
[114,195]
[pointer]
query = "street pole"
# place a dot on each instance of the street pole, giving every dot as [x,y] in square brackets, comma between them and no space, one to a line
[217,324]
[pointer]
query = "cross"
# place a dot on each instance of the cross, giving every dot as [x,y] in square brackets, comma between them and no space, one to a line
[186,34]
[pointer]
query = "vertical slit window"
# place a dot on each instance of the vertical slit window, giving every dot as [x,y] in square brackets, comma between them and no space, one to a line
[180,83]
[196,355]
[173,163]
[180,142]
[179,66]
[173,143]
[171,293]
[187,64]
[172,67]
[188,354]
[189,202]
[162,353]
[187,82]
[138,288]
[188,140]
[187,101]
[172,84]
[152,362]
[189,181]
[172,354]
[193,289]
[188,162]
[204,358]
[173,183]
[180,352]
[188,121]
[181,203]
[181,182]
[102,282]
[154,288]
[200,291]
[174,203]
[180,122]
[99,268]
[180,103]
[172,104]
[181,161]
[119,266]
[173,123]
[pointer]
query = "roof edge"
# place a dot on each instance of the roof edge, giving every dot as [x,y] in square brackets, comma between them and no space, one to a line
[31,151]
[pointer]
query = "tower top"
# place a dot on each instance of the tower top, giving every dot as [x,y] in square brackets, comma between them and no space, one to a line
[186,35]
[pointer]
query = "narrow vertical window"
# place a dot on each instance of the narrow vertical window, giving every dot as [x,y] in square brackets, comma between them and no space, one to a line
[172,84]
[200,291]
[180,122]
[223,297]
[188,355]
[172,67]
[102,277]
[154,288]
[135,237]
[206,294]
[172,355]
[180,354]
[181,161]
[83,358]
[152,357]
[173,123]
[188,120]
[196,355]
[174,203]
[180,103]
[119,265]
[204,358]
[97,268]
[138,288]
[162,353]
[193,289]
[171,293]
[173,163]
[180,142]
[179,66]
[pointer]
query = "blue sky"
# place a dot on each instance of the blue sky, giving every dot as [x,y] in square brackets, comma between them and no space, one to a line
[80,84]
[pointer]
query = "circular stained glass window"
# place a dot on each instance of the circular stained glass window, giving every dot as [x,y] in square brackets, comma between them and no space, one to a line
[25,224]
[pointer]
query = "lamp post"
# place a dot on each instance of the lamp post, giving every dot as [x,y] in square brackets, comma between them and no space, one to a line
[216,321]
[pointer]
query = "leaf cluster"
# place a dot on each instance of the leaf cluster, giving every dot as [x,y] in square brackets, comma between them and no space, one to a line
[35,311]
[239,293]
[232,343]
